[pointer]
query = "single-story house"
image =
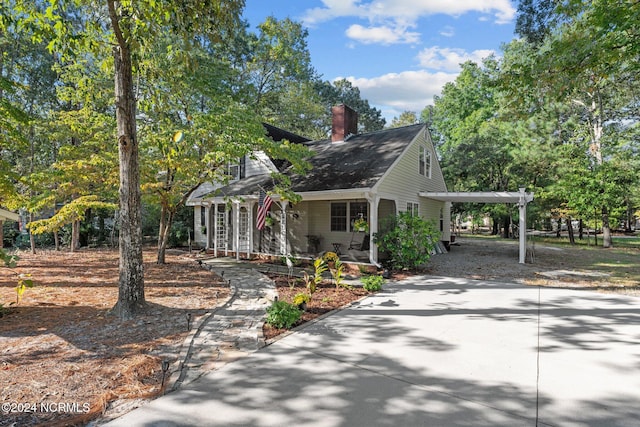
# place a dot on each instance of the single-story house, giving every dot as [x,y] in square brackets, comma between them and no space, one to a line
[354,176]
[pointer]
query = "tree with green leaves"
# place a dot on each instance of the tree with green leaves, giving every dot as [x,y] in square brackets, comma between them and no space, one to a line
[342,91]
[406,118]
[587,61]
[126,30]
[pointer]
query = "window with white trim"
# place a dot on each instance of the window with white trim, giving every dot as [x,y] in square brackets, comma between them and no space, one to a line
[344,214]
[339,216]
[413,208]
[236,170]
[424,161]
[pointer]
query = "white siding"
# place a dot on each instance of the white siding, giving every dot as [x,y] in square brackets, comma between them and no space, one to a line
[258,164]
[403,182]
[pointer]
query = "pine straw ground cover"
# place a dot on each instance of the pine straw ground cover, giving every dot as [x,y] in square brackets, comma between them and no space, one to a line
[60,349]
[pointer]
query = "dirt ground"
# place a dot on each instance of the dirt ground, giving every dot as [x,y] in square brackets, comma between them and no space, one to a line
[63,358]
[607,270]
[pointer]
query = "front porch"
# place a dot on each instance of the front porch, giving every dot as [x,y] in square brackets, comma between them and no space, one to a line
[305,230]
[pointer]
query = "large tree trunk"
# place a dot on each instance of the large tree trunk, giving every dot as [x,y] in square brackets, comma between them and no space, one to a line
[75,235]
[572,238]
[131,274]
[607,242]
[166,219]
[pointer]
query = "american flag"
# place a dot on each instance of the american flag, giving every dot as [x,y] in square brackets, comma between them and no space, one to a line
[264,203]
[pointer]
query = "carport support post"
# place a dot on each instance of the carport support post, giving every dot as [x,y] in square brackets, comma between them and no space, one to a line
[522,226]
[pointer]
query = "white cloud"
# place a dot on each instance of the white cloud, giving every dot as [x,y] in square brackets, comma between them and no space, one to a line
[407,12]
[398,92]
[449,59]
[381,35]
[448,31]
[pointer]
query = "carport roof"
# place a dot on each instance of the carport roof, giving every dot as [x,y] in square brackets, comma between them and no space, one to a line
[479,197]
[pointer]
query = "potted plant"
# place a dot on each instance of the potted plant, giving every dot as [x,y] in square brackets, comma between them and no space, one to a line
[361,224]
[269,221]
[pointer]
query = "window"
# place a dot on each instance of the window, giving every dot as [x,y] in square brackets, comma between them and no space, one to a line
[236,170]
[357,210]
[413,208]
[441,219]
[339,216]
[343,211]
[203,216]
[424,162]
[233,170]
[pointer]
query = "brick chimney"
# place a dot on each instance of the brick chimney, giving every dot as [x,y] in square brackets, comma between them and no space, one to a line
[344,122]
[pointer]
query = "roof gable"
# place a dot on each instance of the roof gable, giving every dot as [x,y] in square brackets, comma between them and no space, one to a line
[359,162]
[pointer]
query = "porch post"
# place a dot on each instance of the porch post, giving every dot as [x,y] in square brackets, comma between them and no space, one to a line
[522,226]
[283,227]
[227,228]
[250,227]
[215,229]
[236,229]
[374,201]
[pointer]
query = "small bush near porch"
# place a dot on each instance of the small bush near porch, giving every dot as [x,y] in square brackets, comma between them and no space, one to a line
[406,241]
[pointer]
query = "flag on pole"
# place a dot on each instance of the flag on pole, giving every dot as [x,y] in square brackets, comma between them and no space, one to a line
[264,203]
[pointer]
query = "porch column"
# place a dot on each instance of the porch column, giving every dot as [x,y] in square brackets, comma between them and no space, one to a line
[227,228]
[374,201]
[236,229]
[215,229]
[251,227]
[207,223]
[283,227]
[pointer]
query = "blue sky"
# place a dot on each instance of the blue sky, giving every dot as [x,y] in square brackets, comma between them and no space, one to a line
[398,52]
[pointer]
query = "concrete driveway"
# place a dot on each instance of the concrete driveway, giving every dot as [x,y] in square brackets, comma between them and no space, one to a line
[433,352]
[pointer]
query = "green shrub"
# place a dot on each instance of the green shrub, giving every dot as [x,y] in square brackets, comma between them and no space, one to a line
[372,283]
[406,240]
[282,314]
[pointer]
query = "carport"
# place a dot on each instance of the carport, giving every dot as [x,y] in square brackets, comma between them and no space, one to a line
[521,197]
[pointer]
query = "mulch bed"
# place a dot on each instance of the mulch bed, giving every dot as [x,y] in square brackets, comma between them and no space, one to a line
[326,298]
[64,358]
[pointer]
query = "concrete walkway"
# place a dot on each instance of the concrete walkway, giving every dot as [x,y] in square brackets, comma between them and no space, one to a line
[233,330]
[432,352]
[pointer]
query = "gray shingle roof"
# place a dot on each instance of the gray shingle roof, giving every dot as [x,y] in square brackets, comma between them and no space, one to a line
[357,163]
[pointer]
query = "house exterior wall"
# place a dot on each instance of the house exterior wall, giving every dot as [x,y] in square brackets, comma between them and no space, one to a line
[298,227]
[403,182]
[319,224]
[199,236]
[256,164]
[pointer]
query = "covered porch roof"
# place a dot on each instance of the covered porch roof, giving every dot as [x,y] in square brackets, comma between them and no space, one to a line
[522,198]
[7,215]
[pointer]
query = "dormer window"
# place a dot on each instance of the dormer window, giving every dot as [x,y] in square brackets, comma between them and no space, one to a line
[235,170]
[424,162]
